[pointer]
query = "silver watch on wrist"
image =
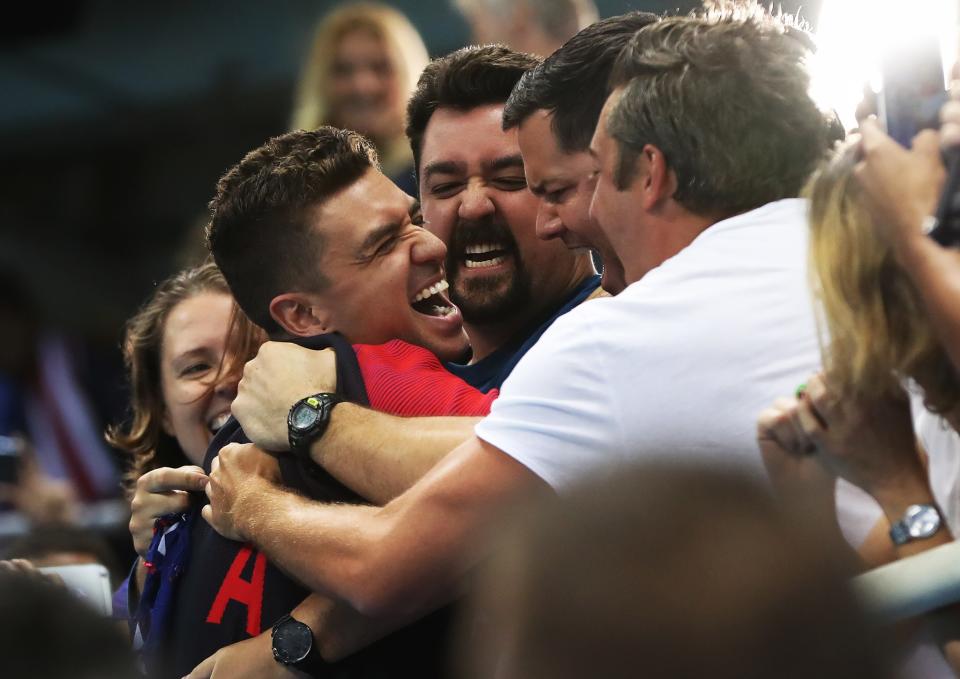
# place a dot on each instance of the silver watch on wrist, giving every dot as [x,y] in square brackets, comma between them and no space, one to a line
[918,522]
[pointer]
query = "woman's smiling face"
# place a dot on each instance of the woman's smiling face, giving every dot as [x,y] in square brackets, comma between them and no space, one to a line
[196,401]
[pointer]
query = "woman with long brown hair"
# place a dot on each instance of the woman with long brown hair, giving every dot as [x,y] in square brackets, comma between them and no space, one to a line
[184,350]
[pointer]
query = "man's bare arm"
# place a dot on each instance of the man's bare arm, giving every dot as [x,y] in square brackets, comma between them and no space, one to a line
[380,456]
[394,563]
[377,456]
[338,630]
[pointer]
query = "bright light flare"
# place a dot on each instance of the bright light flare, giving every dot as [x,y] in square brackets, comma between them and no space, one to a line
[852,36]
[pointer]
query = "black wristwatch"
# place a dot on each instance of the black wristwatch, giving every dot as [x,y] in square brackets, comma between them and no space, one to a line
[292,641]
[308,419]
[918,522]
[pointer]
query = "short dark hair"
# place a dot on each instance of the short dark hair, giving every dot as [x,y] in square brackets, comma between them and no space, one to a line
[464,79]
[572,83]
[259,230]
[726,102]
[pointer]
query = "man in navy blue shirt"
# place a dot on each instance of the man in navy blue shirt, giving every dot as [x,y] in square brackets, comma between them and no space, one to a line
[509,284]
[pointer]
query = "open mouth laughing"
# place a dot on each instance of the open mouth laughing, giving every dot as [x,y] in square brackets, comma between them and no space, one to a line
[216,423]
[432,300]
[485,255]
[480,246]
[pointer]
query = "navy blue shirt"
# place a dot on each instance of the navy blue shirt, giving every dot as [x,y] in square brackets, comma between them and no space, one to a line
[224,591]
[406,180]
[491,372]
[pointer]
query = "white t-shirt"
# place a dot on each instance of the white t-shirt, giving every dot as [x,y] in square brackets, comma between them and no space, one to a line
[942,446]
[679,365]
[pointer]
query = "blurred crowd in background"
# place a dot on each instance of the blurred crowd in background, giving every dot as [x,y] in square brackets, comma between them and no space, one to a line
[124,344]
[119,122]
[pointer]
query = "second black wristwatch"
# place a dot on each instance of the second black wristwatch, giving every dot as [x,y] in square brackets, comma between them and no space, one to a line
[292,643]
[308,420]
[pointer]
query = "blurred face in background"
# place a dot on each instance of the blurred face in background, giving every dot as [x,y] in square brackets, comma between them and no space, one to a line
[364,87]
[485,27]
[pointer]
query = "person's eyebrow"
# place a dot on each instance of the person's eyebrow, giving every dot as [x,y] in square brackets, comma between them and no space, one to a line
[540,188]
[386,230]
[442,167]
[504,163]
[378,234]
[189,355]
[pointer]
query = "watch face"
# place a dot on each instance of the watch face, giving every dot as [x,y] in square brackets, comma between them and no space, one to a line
[924,521]
[304,416]
[292,641]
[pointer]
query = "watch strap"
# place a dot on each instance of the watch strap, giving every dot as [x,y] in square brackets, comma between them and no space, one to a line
[899,533]
[301,440]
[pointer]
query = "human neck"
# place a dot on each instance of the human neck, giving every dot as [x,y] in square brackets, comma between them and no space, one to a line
[666,237]
[485,338]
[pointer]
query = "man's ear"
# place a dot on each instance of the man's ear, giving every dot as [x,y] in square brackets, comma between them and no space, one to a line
[300,314]
[659,182]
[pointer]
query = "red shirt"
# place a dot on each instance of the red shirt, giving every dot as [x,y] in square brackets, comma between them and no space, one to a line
[403,379]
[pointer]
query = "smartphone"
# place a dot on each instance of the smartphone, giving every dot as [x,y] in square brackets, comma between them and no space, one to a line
[90,582]
[913,88]
[11,450]
[911,98]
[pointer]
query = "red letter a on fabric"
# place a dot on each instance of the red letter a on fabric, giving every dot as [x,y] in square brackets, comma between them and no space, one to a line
[234,587]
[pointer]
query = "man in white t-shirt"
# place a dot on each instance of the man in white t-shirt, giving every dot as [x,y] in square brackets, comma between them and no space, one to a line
[718,313]
[679,364]
[707,138]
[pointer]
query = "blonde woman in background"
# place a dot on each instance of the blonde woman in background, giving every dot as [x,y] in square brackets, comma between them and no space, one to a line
[362,66]
[855,418]
[856,421]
